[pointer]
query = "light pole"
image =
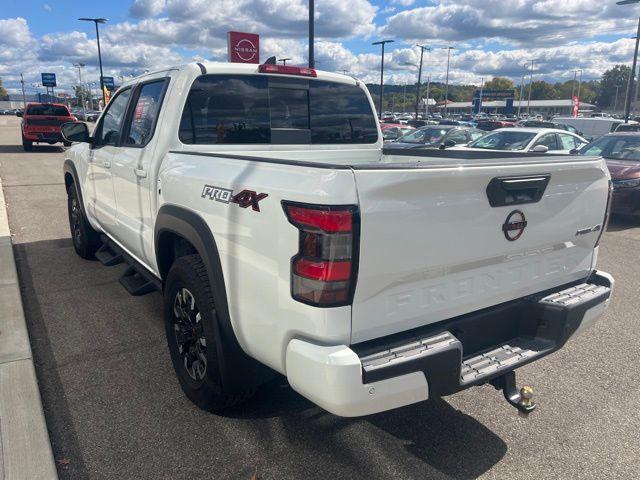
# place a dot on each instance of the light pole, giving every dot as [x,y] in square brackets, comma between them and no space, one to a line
[312,62]
[446,84]
[24,96]
[627,105]
[426,105]
[615,104]
[80,66]
[524,72]
[481,91]
[97,21]
[530,87]
[579,84]
[418,88]
[284,60]
[383,43]
[404,98]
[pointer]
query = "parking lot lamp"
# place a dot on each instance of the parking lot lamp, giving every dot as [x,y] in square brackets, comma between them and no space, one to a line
[97,21]
[446,84]
[627,105]
[530,87]
[283,60]
[383,43]
[80,66]
[524,72]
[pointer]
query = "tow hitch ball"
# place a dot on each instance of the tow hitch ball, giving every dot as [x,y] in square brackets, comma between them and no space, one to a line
[520,399]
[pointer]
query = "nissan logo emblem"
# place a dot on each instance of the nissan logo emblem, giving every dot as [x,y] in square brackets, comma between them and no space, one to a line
[514,226]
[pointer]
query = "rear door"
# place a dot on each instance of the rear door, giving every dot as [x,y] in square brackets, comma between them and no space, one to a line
[433,247]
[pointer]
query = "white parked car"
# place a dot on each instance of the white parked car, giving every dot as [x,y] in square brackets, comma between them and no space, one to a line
[539,140]
[258,200]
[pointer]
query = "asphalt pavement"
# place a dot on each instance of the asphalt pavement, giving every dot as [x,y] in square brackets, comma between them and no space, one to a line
[114,408]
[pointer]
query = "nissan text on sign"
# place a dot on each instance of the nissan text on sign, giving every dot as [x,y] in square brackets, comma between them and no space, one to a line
[243,47]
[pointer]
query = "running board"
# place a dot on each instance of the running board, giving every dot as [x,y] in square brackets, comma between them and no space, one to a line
[106,254]
[136,279]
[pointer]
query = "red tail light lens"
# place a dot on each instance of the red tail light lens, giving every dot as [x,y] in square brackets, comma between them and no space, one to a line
[323,270]
[287,70]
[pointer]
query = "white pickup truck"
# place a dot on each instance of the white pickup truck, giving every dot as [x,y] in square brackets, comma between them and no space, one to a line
[258,199]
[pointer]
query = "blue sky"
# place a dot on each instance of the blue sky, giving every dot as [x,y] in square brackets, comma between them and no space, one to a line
[492,37]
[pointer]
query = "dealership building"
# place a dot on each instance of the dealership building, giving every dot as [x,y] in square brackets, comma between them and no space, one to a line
[547,108]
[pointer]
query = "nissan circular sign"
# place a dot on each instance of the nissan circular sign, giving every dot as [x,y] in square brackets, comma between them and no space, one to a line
[243,47]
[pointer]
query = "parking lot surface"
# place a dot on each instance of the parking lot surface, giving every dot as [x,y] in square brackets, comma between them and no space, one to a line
[114,408]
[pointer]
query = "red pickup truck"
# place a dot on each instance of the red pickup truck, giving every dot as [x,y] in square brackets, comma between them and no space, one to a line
[41,123]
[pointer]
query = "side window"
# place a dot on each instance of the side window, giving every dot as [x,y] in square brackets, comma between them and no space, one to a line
[475,135]
[567,142]
[145,113]
[109,131]
[549,141]
[458,136]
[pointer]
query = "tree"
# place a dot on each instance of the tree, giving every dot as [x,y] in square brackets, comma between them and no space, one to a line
[616,76]
[541,90]
[81,93]
[3,91]
[499,83]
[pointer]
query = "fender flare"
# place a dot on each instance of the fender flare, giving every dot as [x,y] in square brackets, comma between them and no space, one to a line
[238,370]
[70,169]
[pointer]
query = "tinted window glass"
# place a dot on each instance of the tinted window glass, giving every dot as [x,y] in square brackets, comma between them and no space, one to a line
[567,142]
[145,113]
[112,119]
[237,109]
[226,109]
[508,140]
[51,110]
[627,148]
[458,136]
[549,141]
[289,108]
[597,147]
[341,114]
[425,135]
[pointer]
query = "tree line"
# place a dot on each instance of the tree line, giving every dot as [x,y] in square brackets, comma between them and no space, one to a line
[598,92]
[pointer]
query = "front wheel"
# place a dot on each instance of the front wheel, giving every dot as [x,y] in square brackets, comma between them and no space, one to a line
[85,239]
[189,314]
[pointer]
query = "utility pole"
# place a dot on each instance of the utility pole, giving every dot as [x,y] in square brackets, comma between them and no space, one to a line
[446,86]
[312,62]
[404,98]
[579,84]
[524,71]
[530,87]
[382,43]
[426,107]
[24,97]
[418,92]
[81,90]
[627,105]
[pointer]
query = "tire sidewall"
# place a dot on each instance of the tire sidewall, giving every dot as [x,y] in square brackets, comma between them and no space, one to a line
[184,275]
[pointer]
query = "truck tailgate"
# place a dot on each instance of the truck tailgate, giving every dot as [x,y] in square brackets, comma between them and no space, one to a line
[432,247]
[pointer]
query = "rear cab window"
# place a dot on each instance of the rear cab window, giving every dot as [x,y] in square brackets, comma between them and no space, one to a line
[260,109]
[48,110]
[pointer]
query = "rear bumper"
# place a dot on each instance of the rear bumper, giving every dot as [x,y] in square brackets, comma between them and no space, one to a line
[47,137]
[447,357]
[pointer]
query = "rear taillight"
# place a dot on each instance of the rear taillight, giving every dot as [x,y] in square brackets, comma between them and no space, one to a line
[607,213]
[323,271]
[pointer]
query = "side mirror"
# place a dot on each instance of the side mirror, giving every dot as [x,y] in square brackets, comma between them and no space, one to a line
[574,151]
[540,149]
[19,114]
[75,132]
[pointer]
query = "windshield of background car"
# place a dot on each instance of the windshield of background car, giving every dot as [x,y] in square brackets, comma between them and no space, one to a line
[424,135]
[504,141]
[615,148]
[259,109]
[48,110]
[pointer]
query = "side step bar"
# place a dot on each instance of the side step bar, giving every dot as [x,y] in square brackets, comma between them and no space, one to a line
[136,279]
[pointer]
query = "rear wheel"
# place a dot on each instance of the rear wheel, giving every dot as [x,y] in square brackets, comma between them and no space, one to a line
[189,314]
[27,145]
[85,239]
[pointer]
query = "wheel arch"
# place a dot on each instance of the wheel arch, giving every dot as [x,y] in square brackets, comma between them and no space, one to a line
[237,369]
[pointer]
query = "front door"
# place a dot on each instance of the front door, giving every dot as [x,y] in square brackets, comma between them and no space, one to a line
[106,139]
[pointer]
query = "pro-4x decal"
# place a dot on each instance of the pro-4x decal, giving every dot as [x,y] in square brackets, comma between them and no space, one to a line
[245,198]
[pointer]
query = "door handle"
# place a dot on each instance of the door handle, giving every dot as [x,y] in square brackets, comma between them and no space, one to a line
[107,164]
[140,172]
[517,190]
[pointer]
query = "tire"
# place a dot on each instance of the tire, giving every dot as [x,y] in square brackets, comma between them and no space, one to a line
[27,145]
[85,239]
[190,326]
[66,144]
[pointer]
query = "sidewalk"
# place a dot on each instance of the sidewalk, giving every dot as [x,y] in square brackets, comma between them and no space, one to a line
[25,451]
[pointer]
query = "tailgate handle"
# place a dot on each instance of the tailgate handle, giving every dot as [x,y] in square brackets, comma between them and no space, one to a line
[518,190]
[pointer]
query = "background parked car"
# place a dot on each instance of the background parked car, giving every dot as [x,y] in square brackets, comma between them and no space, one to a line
[628,127]
[488,124]
[539,140]
[440,136]
[41,123]
[622,153]
[393,131]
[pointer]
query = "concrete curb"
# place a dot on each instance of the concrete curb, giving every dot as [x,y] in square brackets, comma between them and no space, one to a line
[25,450]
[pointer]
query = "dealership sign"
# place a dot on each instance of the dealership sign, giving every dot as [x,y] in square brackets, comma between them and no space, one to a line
[109,83]
[48,79]
[495,94]
[243,47]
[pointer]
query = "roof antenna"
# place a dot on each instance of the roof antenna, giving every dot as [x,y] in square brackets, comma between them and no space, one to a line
[270,61]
